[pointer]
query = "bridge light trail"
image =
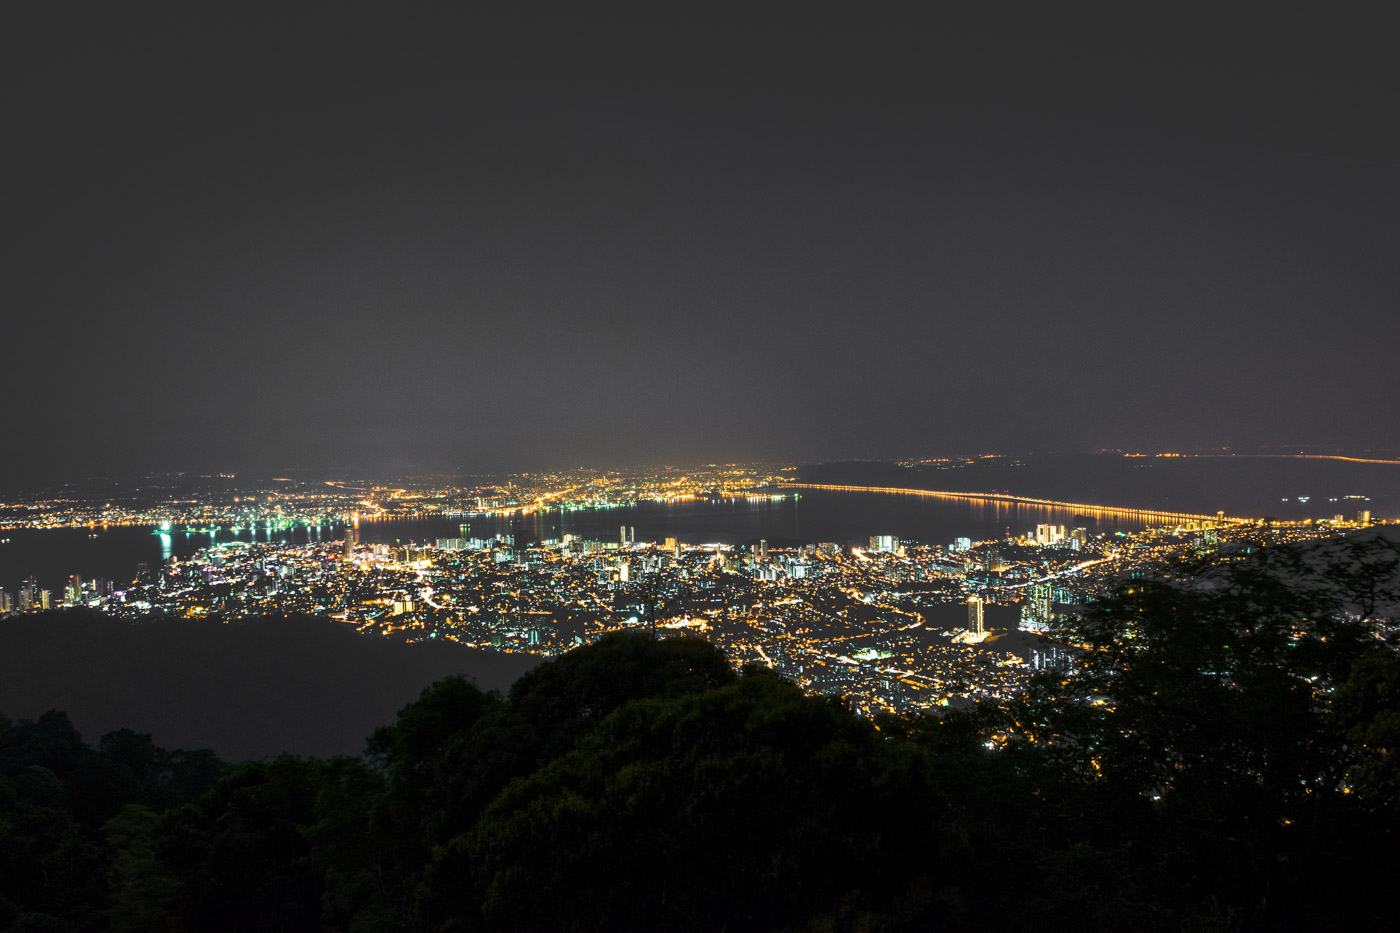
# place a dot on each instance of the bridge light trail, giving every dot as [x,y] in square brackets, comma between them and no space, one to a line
[993,497]
[1338,457]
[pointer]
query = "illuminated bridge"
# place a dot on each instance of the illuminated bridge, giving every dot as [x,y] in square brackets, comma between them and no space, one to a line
[1338,457]
[993,497]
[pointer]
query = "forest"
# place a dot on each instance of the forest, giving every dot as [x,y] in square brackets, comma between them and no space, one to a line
[1220,757]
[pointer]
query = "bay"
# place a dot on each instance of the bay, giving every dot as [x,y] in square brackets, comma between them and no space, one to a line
[811,516]
[1241,486]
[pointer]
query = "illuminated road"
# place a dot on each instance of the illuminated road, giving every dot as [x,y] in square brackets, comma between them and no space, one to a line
[991,497]
[1063,573]
[1271,457]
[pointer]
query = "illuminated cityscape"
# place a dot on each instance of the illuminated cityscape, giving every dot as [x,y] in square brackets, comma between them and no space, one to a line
[894,625]
[573,467]
[190,501]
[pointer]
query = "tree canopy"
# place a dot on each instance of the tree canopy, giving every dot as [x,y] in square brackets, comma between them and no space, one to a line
[1221,757]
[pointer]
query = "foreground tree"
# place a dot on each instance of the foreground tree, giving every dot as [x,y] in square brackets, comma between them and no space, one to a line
[1240,697]
[745,807]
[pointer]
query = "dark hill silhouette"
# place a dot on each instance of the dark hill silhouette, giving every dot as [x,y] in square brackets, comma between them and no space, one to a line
[247,690]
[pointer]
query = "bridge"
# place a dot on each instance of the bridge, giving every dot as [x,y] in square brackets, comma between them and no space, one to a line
[1082,508]
[1234,456]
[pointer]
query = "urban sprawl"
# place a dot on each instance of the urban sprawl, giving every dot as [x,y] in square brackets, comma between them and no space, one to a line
[893,625]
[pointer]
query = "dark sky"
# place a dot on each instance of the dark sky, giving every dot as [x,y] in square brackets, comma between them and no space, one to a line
[375,241]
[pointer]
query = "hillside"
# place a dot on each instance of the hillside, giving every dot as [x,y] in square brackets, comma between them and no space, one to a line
[249,690]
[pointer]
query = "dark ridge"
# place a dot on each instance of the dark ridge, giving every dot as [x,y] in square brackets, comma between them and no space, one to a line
[301,685]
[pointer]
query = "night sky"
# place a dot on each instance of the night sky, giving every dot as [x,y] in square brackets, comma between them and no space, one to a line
[374,241]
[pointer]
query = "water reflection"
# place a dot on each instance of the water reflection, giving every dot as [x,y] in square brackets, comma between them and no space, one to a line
[817,516]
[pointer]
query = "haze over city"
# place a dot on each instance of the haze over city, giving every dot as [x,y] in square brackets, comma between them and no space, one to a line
[332,238]
[732,470]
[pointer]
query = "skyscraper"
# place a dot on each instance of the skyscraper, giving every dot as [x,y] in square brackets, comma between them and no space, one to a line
[28,595]
[974,616]
[1036,613]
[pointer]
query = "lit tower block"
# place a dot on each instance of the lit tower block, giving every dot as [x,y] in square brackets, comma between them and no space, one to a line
[974,616]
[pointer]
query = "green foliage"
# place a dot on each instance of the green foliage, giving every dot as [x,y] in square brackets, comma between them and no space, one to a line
[351,851]
[76,836]
[565,697]
[50,742]
[239,853]
[1368,708]
[747,806]
[455,748]
[1224,752]
[1239,698]
[47,864]
[141,887]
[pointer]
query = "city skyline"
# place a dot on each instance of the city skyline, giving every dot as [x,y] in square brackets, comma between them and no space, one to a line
[907,623]
[369,242]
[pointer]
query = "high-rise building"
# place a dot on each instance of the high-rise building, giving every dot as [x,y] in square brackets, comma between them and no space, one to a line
[884,544]
[28,595]
[1049,534]
[622,536]
[1363,517]
[974,616]
[352,535]
[1051,657]
[1042,594]
[1037,612]
[4,601]
[762,548]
